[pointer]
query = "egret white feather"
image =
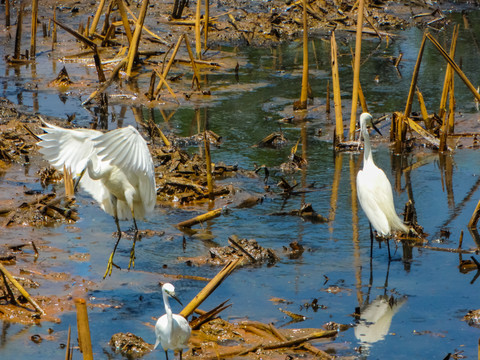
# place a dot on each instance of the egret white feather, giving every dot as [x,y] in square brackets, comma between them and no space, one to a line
[171,330]
[375,191]
[116,170]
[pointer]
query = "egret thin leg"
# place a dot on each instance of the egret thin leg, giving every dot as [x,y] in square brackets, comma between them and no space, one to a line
[371,241]
[132,252]
[110,263]
[166,354]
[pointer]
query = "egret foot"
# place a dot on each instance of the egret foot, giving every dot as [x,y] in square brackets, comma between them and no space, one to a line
[131,263]
[110,265]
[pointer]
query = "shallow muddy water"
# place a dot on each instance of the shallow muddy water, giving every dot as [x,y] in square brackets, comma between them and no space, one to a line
[432,294]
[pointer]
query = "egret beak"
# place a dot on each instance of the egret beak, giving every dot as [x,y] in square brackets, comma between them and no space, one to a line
[173,296]
[78,180]
[376,129]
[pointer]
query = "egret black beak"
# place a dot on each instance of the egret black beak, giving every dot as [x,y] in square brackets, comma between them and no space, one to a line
[78,180]
[175,297]
[376,129]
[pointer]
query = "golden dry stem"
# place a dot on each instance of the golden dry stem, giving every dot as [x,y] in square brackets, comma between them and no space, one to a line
[84,339]
[356,70]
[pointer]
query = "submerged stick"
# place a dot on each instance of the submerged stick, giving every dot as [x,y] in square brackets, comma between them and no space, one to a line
[200,218]
[356,70]
[84,339]
[33,37]
[210,287]
[20,288]
[208,162]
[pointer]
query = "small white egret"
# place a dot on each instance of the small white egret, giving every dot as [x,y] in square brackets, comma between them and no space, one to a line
[120,174]
[172,330]
[375,191]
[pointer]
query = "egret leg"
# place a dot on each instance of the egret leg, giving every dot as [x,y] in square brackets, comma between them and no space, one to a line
[110,263]
[371,242]
[388,248]
[181,351]
[166,354]
[132,252]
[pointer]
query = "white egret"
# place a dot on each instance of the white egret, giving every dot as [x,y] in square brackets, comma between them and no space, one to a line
[120,174]
[172,330]
[375,191]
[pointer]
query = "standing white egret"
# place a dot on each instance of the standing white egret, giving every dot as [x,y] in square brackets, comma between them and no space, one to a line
[375,191]
[116,170]
[172,330]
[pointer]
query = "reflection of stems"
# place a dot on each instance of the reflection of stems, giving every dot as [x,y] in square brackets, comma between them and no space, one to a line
[335,186]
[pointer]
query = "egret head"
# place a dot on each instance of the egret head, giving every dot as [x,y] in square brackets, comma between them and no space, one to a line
[367,120]
[169,289]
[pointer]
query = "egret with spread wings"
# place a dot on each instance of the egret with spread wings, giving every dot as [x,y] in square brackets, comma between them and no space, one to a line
[115,168]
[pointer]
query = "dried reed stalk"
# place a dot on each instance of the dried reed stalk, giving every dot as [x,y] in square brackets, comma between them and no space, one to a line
[146,29]
[163,80]
[133,50]
[84,339]
[210,287]
[33,38]
[106,84]
[20,288]
[454,66]
[54,32]
[448,77]
[68,181]
[475,216]
[207,20]
[96,18]
[126,24]
[18,32]
[198,41]
[413,84]
[196,75]
[167,68]
[423,109]
[200,218]
[356,70]
[68,353]
[337,100]
[304,92]
[7,13]
[89,43]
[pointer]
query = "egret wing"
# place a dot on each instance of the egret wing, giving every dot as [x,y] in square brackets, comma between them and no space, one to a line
[126,149]
[370,201]
[67,147]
